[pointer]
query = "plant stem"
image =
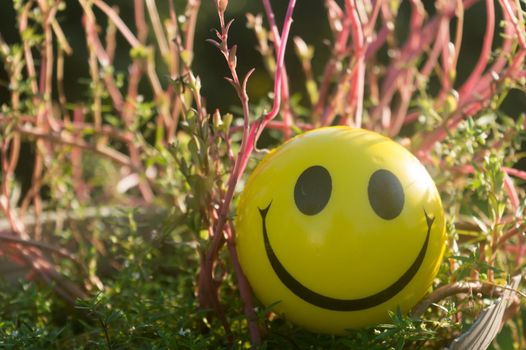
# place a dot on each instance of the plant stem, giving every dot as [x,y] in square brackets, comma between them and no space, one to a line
[357,78]
[245,292]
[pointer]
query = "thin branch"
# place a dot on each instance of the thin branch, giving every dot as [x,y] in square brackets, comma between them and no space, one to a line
[453,289]
[9,237]
[250,135]
[191,10]
[285,93]
[157,28]
[244,290]
[114,17]
[357,79]
[71,141]
[521,174]
[467,88]
[28,55]
[519,27]
[334,15]
[103,58]
[280,63]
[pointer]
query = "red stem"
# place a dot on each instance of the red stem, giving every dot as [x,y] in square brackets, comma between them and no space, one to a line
[245,291]
[125,31]
[479,94]
[474,77]
[519,30]
[357,79]
[521,174]
[512,191]
[338,53]
[279,67]
[420,38]
[276,39]
[250,134]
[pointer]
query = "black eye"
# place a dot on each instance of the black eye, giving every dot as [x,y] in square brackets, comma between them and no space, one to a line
[386,194]
[313,190]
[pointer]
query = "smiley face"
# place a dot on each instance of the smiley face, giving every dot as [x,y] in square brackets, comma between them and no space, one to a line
[337,227]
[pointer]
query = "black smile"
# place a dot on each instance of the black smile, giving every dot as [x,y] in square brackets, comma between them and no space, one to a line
[336,304]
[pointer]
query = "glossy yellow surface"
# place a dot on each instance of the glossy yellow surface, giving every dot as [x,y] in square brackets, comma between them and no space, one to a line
[343,259]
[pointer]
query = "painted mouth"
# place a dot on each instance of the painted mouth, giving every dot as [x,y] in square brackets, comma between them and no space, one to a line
[336,304]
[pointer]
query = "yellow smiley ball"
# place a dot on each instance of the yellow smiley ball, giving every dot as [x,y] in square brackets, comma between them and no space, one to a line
[338,226]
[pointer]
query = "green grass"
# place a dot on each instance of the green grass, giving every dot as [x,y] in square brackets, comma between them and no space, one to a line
[149,302]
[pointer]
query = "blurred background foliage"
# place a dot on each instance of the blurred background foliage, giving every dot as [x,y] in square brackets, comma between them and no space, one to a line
[309,22]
